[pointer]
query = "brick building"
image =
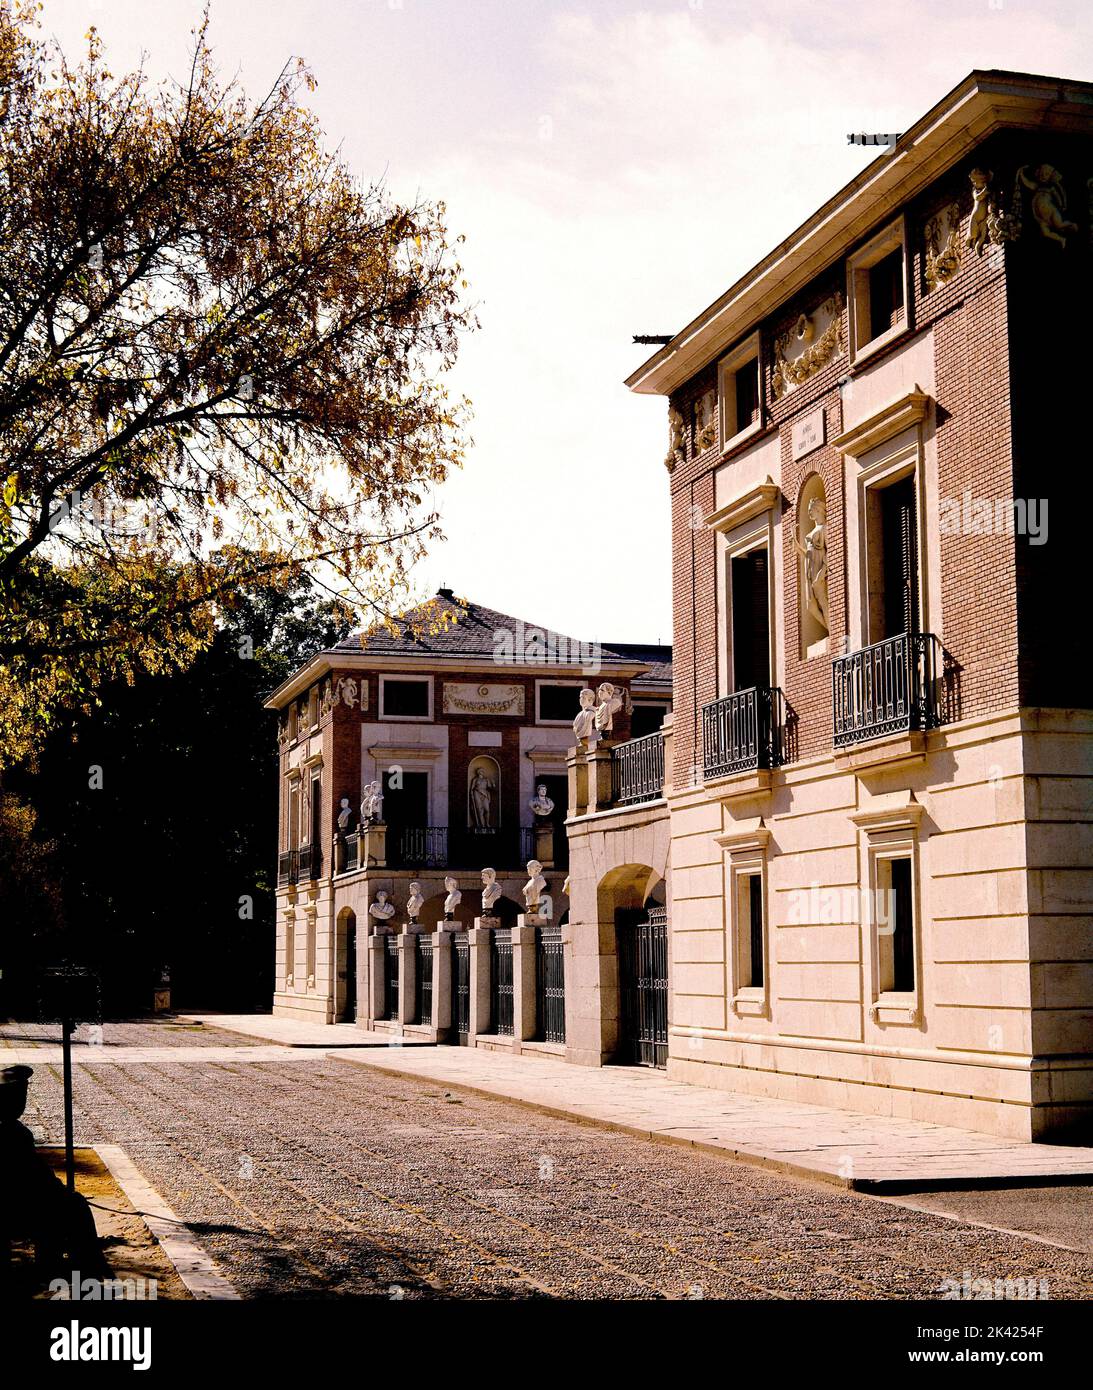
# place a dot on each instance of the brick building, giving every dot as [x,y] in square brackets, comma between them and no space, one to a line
[460,727]
[878,795]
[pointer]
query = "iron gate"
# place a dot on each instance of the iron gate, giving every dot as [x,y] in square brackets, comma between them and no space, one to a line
[423,978]
[549,985]
[501,981]
[461,988]
[643,987]
[390,976]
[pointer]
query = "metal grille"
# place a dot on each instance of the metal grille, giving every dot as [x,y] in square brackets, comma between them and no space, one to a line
[352,850]
[637,769]
[420,847]
[461,987]
[643,972]
[423,978]
[390,977]
[743,731]
[501,1007]
[887,688]
[549,985]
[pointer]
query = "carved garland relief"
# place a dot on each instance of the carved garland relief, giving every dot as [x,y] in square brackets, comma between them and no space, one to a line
[813,341]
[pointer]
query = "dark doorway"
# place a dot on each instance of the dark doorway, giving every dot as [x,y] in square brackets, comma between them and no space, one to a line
[558,791]
[643,985]
[750,620]
[899,542]
[349,1012]
[406,811]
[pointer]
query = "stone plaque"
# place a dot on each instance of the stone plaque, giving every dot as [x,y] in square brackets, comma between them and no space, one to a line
[482,699]
[809,433]
[484,738]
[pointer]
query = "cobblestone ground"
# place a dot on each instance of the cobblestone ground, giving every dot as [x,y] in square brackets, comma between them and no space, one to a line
[317,1178]
[150,1032]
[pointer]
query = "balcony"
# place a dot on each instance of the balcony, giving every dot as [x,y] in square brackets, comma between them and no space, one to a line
[891,687]
[744,732]
[637,770]
[288,868]
[441,847]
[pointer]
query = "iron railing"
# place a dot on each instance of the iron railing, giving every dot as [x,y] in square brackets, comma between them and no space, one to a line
[461,987]
[351,853]
[549,985]
[288,867]
[423,978]
[637,770]
[643,972]
[390,977]
[743,732]
[501,1001]
[311,861]
[441,847]
[418,847]
[887,688]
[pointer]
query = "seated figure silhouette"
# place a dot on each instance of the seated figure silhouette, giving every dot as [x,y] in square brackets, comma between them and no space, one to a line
[34,1204]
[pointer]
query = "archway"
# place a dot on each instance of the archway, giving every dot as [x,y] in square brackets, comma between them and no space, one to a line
[632,914]
[345,1002]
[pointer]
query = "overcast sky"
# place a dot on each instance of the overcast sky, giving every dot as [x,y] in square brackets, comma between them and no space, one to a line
[614,166]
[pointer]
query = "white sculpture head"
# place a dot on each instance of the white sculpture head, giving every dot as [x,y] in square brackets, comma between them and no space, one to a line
[540,791]
[489,877]
[588,698]
[817,510]
[606,690]
[381,896]
[534,868]
[451,884]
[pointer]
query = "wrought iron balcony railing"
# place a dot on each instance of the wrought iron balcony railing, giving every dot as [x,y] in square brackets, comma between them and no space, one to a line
[288,867]
[743,732]
[310,859]
[888,688]
[351,852]
[637,770]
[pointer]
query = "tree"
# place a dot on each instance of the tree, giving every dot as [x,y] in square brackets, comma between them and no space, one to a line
[165,798]
[219,362]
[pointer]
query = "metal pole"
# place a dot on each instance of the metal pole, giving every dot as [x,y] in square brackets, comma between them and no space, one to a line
[66,1048]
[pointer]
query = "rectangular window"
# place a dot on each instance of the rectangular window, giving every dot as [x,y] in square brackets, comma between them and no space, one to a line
[290,950]
[739,392]
[646,719]
[750,927]
[749,581]
[896,927]
[404,699]
[559,703]
[892,561]
[877,290]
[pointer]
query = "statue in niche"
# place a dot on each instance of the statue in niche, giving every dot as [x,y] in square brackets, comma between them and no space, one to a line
[585,722]
[541,804]
[454,898]
[534,888]
[814,555]
[1048,201]
[482,790]
[491,891]
[381,910]
[414,903]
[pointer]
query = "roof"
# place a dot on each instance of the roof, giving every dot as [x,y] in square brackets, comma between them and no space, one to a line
[479,635]
[985,101]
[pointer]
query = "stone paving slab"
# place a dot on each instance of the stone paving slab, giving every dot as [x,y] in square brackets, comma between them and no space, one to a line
[292,1032]
[867,1152]
[52,1055]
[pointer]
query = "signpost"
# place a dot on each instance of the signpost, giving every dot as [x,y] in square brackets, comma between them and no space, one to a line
[70,996]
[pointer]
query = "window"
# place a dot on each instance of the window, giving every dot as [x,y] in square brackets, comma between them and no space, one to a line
[750,589]
[290,949]
[559,704]
[895,927]
[406,697]
[750,920]
[891,930]
[892,569]
[877,290]
[739,393]
[646,719]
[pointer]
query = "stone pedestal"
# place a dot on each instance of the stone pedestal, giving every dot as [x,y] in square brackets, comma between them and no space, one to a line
[442,983]
[407,969]
[479,940]
[376,973]
[544,843]
[599,777]
[372,847]
[523,977]
[577,773]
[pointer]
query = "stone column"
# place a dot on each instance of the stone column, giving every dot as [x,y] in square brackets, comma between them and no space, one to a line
[376,972]
[407,969]
[479,939]
[442,983]
[523,977]
[599,778]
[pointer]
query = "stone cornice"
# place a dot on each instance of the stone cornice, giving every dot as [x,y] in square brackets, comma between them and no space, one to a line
[752,504]
[749,836]
[898,811]
[887,422]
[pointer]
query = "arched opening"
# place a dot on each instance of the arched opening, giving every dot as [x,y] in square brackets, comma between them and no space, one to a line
[631,902]
[345,1002]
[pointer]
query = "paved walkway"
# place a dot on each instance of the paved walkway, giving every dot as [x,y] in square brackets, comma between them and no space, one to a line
[292,1032]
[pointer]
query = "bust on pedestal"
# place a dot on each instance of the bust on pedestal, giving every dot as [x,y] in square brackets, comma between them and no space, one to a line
[491,891]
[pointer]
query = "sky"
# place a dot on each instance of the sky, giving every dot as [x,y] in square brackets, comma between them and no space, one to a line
[614,167]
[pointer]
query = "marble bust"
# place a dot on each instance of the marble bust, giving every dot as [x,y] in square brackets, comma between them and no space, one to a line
[585,722]
[541,804]
[345,816]
[381,910]
[491,891]
[610,702]
[415,902]
[534,888]
[454,898]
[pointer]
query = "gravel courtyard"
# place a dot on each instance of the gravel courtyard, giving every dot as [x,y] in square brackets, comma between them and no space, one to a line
[315,1178]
